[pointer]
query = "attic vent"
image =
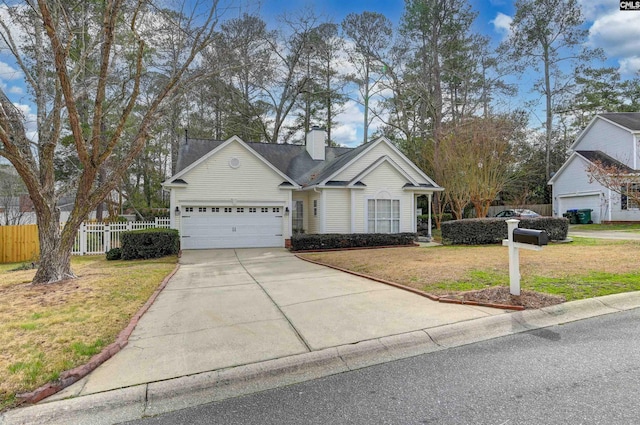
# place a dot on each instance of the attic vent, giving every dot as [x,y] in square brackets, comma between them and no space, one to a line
[234,162]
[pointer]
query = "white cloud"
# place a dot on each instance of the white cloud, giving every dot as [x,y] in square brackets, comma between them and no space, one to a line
[30,120]
[592,9]
[617,34]
[16,90]
[7,72]
[345,135]
[630,66]
[502,24]
[349,121]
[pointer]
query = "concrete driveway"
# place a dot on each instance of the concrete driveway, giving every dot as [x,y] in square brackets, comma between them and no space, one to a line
[225,308]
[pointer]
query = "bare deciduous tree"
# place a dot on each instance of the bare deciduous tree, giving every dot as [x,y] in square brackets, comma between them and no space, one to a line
[124,38]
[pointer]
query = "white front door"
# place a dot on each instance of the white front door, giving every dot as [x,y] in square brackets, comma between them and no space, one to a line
[231,227]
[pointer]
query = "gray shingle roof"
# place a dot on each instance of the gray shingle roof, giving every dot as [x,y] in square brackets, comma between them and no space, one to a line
[292,160]
[605,160]
[630,120]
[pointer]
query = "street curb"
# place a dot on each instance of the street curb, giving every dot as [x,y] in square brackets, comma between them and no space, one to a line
[155,398]
[417,291]
[72,376]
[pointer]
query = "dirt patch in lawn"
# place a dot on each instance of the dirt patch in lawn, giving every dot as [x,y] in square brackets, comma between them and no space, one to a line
[571,271]
[501,295]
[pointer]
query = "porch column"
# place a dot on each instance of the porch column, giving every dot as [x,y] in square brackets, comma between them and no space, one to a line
[353,210]
[429,219]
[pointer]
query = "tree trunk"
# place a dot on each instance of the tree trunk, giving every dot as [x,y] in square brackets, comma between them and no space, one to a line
[55,249]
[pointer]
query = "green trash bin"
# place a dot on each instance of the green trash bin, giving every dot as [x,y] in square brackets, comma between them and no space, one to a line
[584,216]
[572,215]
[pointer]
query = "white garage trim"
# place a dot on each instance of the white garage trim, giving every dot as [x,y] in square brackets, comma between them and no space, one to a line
[220,226]
[587,200]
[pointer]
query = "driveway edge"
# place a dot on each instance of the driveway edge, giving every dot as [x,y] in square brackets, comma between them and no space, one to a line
[150,399]
[72,376]
[443,299]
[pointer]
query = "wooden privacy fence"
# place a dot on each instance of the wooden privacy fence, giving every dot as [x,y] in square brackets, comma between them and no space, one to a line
[20,243]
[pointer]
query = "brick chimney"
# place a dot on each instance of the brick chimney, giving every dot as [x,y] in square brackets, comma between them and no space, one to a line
[315,142]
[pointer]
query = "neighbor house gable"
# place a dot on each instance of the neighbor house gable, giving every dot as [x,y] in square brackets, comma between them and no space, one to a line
[615,135]
[573,157]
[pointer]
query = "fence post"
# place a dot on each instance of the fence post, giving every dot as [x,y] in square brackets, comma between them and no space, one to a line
[107,237]
[83,239]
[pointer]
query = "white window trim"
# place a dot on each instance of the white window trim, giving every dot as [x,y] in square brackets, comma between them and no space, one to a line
[366,211]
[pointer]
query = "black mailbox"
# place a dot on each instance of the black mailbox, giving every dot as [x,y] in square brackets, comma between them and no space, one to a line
[530,236]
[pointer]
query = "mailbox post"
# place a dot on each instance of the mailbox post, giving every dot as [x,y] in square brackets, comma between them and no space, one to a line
[521,239]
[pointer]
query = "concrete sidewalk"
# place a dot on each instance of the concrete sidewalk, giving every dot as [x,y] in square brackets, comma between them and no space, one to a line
[233,322]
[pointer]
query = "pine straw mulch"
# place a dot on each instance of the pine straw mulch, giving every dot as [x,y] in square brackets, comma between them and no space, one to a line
[502,295]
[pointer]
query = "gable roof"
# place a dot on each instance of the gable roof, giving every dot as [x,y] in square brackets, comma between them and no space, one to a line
[628,120]
[191,160]
[605,160]
[591,157]
[293,161]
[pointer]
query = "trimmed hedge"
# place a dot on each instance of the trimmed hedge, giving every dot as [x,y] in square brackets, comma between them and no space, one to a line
[482,231]
[114,254]
[304,242]
[149,243]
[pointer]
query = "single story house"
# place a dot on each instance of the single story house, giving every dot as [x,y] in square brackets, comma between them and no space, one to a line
[610,139]
[235,194]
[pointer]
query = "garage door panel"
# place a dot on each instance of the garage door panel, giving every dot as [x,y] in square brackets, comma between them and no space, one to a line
[591,202]
[228,228]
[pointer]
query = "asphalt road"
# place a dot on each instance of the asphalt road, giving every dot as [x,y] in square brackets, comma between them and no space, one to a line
[586,372]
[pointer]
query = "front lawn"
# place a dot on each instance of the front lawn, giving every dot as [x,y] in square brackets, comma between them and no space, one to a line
[47,329]
[628,227]
[582,269]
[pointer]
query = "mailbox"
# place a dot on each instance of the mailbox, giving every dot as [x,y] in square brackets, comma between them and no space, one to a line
[530,236]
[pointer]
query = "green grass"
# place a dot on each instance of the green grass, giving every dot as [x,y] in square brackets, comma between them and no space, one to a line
[47,329]
[574,287]
[633,227]
[594,284]
[82,349]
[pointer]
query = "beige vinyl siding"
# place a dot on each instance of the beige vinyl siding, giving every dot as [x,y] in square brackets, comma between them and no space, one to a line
[387,180]
[338,211]
[215,180]
[371,156]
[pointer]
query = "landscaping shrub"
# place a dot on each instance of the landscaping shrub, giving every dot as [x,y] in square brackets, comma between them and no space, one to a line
[303,242]
[114,254]
[482,231]
[149,243]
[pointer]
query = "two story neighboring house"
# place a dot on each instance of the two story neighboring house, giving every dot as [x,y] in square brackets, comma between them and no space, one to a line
[610,139]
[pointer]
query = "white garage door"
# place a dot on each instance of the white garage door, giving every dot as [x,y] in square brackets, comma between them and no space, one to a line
[584,202]
[231,227]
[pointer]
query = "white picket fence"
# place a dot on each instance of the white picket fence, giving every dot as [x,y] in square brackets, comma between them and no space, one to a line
[98,238]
